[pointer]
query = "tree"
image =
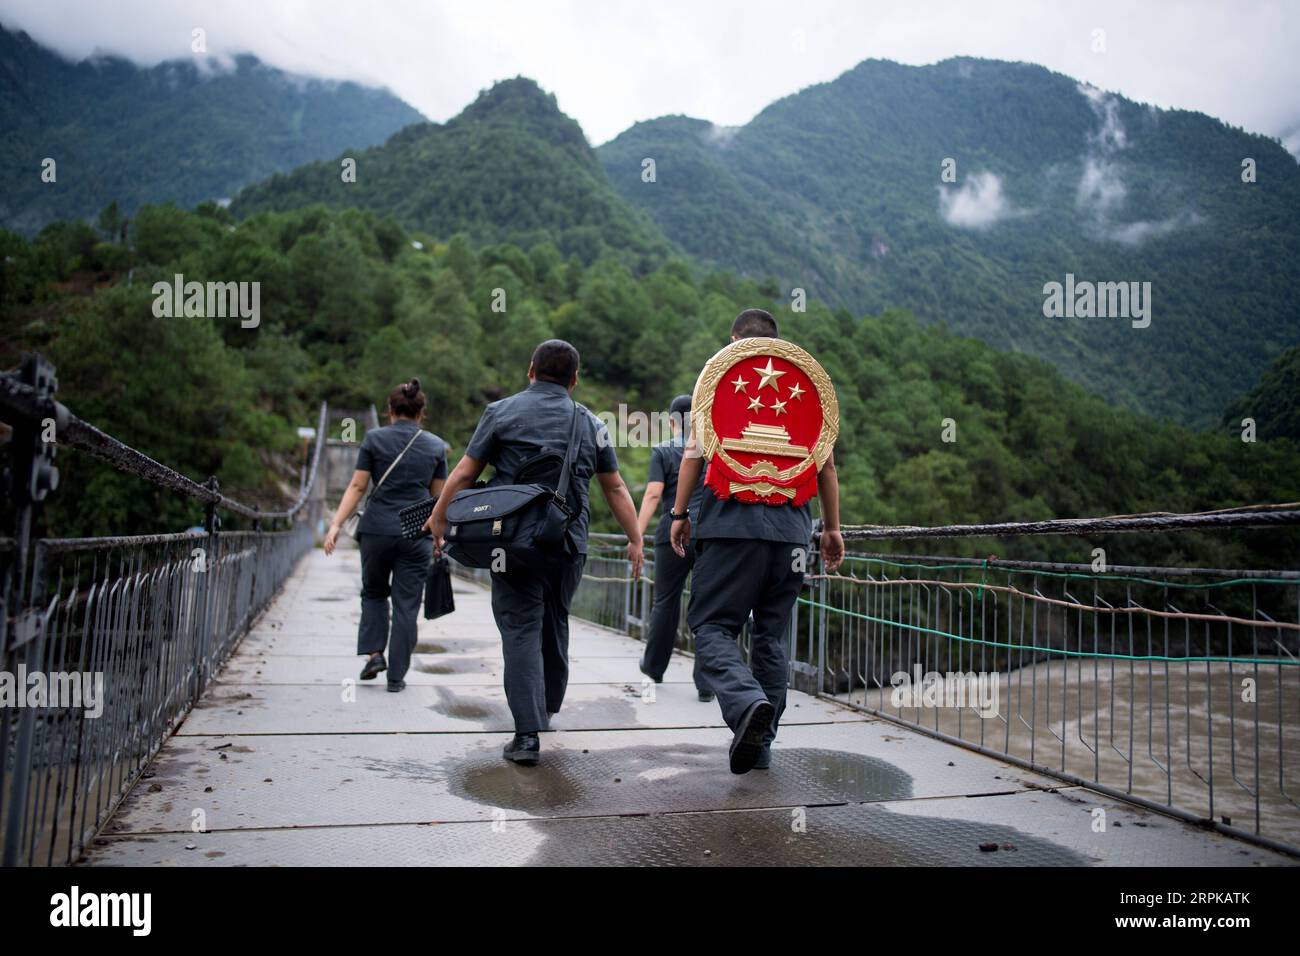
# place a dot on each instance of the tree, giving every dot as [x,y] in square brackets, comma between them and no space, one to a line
[110,222]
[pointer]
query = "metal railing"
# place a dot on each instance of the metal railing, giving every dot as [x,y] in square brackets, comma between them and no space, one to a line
[112,640]
[1174,688]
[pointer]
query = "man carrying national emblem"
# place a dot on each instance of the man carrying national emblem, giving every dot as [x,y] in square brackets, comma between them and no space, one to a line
[765,419]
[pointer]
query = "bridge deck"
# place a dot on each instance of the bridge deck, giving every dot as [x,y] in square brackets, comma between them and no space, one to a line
[280,767]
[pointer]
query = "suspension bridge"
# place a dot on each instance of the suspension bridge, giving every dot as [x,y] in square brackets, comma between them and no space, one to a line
[1131,715]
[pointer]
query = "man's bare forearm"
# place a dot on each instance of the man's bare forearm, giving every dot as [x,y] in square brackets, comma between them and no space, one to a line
[649,505]
[462,476]
[687,478]
[622,506]
[828,491]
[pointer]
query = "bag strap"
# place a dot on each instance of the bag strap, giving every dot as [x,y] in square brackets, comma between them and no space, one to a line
[388,470]
[562,486]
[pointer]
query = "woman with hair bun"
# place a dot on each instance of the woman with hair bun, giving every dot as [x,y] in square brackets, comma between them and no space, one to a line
[407,464]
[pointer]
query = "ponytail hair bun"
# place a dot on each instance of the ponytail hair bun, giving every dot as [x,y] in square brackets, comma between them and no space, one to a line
[407,400]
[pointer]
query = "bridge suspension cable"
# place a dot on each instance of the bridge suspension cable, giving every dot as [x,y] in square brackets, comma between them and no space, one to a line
[1260,516]
[21,401]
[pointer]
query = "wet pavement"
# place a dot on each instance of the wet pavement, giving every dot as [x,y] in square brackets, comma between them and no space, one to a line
[289,760]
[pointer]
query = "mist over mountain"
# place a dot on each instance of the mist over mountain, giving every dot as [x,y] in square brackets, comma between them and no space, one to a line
[839,190]
[957,191]
[184,131]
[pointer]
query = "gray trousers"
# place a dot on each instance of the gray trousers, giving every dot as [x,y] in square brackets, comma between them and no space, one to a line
[670,575]
[395,568]
[531,609]
[734,579]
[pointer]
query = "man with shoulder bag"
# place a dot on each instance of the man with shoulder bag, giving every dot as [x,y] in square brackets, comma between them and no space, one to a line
[528,525]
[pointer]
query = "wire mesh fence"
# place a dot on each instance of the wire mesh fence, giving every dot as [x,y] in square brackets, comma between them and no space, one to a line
[1175,688]
[106,643]
[129,630]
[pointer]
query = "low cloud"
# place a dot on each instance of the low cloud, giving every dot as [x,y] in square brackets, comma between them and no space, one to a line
[1136,233]
[1110,135]
[1291,140]
[1101,194]
[1101,189]
[978,203]
[720,136]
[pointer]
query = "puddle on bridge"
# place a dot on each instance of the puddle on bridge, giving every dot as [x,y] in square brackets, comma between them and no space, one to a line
[634,779]
[854,835]
[601,712]
[451,666]
[647,805]
[457,645]
[466,707]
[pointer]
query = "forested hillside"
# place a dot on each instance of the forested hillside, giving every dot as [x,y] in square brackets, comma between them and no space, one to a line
[352,303]
[510,168]
[1273,404]
[183,131]
[838,190]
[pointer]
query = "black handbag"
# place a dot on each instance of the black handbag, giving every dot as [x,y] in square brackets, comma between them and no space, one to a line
[527,525]
[438,597]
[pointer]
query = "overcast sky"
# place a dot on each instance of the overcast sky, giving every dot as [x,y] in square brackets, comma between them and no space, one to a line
[613,62]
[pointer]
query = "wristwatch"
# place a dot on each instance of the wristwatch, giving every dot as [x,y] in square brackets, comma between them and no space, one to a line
[678,517]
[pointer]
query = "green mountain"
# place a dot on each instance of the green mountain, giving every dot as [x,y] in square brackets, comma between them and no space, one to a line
[511,167]
[182,131]
[838,190]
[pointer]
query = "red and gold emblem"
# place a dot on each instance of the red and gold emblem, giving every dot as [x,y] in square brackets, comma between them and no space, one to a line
[765,417]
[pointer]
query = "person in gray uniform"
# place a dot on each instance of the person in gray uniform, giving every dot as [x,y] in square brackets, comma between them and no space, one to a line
[671,571]
[748,563]
[407,464]
[518,435]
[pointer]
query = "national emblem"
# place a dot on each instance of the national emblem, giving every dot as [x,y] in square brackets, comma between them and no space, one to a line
[752,456]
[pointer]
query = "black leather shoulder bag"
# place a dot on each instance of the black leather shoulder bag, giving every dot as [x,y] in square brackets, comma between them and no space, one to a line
[526,525]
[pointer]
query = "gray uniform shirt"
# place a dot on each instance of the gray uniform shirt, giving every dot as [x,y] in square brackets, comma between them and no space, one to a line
[408,483]
[536,420]
[738,519]
[665,466]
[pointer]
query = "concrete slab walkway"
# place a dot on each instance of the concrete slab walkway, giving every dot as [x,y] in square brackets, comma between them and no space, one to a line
[288,760]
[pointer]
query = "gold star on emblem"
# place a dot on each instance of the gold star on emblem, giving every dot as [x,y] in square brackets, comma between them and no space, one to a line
[796,391]
[756,404]
[740,384]
[779,407]
[770,375]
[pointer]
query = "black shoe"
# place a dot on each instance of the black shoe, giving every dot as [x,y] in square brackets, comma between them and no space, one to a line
[641,666]
[525,749]
[706,696]
[396,686]
[764,760]
[748,742]
[374,667]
